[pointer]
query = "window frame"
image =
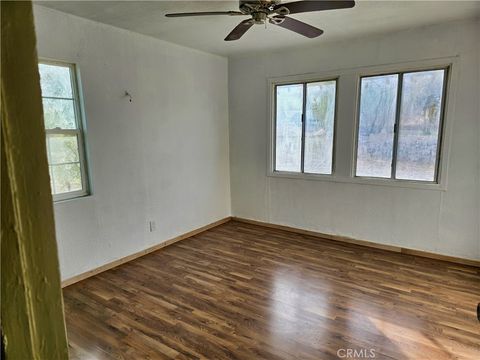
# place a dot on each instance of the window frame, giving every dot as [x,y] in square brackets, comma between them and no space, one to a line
[441,127]
[304,84]
[80,130]
[347,113]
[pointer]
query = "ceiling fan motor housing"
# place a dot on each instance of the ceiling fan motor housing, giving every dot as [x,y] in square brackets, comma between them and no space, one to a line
[262,10]
[252,6]
[259,2]
[259,17]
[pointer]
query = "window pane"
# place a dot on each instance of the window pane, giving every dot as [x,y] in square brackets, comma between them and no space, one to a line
[63,130]
[59,114]
[55,81]
[419,125]
[376,128]
[288,143]
[62,149]
[66,178]
[319,127]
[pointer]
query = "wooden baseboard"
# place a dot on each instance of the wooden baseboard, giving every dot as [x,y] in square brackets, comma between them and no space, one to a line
[128,258]
[344,239]
[430,255]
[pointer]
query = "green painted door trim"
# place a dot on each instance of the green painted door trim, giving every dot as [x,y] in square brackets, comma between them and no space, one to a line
[33,324]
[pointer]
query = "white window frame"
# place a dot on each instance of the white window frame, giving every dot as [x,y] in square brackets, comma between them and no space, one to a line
[353,86]
[304,83]
[79,131]
[396,129]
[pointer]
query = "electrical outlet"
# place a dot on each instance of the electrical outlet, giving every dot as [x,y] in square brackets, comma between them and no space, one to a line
[152,225]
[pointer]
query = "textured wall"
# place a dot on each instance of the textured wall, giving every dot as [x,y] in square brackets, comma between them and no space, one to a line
[444,222]
[162,157]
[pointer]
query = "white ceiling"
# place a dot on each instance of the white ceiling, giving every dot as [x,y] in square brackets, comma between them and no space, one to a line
[207,32]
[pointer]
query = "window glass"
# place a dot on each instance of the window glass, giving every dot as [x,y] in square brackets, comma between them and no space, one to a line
[288,132]
[66,178]
[59,113]
[55,81]
[376,125]
[63,149]
[319,127]
[419,125]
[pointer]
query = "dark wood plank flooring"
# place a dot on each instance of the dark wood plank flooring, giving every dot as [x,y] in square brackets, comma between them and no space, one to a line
[242,291]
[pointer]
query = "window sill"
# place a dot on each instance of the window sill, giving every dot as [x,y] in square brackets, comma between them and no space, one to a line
[71,197]
[408,184]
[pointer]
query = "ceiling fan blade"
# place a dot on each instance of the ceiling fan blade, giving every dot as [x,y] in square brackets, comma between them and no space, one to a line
[206,13]
[298,26]
[311,5]
[239,30]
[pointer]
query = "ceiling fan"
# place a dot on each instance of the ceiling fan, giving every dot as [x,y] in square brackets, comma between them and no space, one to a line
[276,13]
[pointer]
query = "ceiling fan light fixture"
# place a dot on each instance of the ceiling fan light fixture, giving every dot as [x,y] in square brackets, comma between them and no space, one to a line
[282,11]
[276,20]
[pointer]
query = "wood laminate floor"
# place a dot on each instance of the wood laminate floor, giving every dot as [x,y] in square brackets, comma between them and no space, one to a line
[243,291]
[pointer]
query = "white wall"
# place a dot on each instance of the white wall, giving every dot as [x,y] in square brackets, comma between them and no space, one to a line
[445,222]
[163,157]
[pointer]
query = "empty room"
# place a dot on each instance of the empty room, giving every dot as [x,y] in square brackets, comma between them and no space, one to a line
[253,179]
